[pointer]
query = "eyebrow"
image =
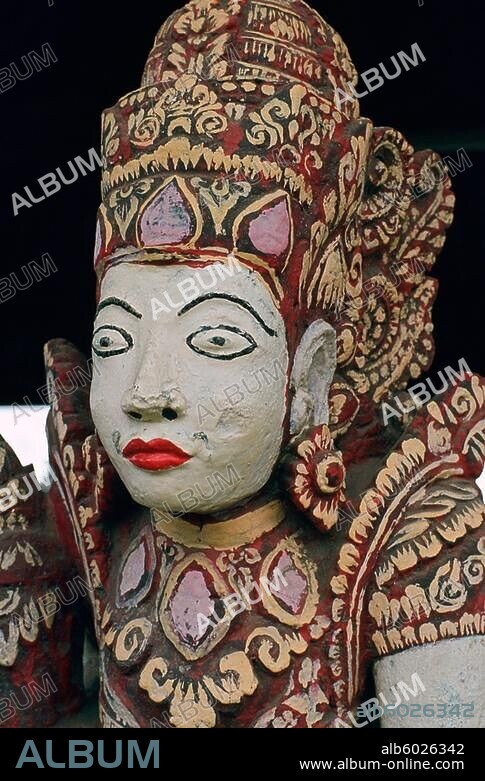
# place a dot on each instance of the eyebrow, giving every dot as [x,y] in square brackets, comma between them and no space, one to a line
[232,299]
[113,301]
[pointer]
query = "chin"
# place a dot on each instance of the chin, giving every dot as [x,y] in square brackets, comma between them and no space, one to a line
[171,505]
[177,495]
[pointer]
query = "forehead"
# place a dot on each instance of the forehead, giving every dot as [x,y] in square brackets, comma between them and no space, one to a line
[139,284]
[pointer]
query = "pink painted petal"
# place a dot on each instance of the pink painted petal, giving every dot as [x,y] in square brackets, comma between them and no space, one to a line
[270,231]
[191,599]
[294,592]
[133,570]
[167,219]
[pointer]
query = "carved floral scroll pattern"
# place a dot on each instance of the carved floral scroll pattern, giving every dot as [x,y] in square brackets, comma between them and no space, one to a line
[134,643]
[25,608]
[422,503]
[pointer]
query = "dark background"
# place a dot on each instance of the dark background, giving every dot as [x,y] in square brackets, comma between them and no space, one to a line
[101,47]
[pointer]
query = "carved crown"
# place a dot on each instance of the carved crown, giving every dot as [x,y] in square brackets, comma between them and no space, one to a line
[235,145]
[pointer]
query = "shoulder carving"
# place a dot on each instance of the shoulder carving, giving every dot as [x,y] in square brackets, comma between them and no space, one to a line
[411,567]
[437,516]
[37,621]
[83,490]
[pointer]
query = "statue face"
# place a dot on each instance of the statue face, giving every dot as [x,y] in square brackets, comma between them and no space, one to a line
[189,390]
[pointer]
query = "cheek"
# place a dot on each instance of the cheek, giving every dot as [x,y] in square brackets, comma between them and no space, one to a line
[95,396]
[250,410]
[104,397]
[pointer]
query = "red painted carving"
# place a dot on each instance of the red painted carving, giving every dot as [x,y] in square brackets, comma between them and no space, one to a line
[367,541]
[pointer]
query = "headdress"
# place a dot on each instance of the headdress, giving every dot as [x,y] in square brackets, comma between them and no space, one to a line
[236,145]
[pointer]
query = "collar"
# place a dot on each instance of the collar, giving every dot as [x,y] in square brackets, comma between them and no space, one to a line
[240,530]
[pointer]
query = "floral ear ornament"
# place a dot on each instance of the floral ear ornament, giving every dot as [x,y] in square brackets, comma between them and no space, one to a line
[315,477]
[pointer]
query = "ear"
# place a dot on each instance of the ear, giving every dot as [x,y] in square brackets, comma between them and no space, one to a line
[313,370]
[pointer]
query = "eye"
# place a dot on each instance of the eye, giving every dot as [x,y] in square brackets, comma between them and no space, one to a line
[110,340]
[223,342]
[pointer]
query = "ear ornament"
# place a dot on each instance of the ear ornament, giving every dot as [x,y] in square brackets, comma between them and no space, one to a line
[315,477]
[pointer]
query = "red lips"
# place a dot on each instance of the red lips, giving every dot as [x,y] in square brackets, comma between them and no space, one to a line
[155,454]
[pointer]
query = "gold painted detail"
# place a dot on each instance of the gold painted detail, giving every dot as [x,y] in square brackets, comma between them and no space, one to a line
[132,640]
[188,106]
[193,701]
[236,680]
[447,593]
[224,535]
[19,549]
[178,154]
[302,704]
[422,502]
[435,517]
[13,521]
[21,618]
[220,197]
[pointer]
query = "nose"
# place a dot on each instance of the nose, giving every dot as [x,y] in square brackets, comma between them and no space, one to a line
[155,393]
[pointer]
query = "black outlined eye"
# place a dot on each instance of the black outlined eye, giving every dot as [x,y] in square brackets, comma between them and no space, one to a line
[223,342]
[110,340]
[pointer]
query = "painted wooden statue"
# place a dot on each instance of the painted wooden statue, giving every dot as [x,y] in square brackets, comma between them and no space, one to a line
[262,546]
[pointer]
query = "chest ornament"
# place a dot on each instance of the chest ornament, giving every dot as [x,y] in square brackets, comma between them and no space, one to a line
[196,609]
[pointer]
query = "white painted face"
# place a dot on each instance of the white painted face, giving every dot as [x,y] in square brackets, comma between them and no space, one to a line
[189,383]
